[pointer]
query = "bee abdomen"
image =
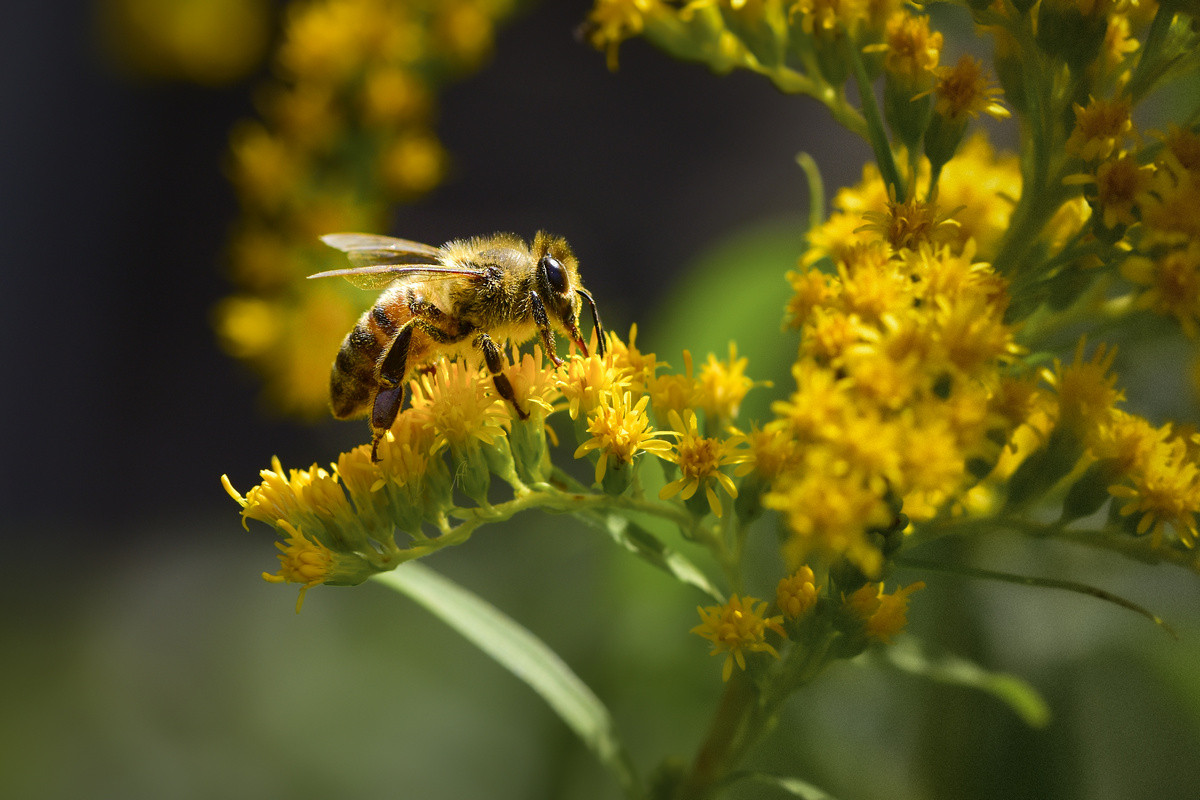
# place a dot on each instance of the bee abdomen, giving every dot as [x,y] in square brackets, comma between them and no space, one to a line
[352,379]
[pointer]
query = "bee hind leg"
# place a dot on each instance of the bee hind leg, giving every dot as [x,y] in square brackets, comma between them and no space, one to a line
[495,364]
[390,394]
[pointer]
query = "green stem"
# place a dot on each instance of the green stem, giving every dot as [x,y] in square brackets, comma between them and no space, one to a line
[1033,580]
[1149,66]
[876,134]
[721,748]
[1140,549]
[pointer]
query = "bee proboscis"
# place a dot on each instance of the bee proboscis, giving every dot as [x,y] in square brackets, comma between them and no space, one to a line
[463,299]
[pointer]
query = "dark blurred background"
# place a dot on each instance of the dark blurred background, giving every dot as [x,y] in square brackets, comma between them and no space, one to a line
[143,656]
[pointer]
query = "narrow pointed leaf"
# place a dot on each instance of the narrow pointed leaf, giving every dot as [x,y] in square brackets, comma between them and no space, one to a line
[1014,692]
[793,786]
[522,654]
[649,547]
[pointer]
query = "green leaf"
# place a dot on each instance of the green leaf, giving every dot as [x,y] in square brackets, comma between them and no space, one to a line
[650,548]
[522,654]
[793,786]
[907,656]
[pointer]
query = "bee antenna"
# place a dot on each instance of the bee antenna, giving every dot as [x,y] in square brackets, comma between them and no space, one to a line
[595,320]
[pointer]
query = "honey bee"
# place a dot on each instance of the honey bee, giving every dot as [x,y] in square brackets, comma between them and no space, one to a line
[463,299]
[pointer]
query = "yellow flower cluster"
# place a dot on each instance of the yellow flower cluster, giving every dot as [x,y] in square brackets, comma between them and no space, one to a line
[345,131]
[459,433]
[904,347]
[207,41]
[737,627]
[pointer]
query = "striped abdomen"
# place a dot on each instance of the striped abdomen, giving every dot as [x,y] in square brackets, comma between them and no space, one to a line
[353,379]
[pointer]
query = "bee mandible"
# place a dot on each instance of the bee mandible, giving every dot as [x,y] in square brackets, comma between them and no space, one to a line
[463,299]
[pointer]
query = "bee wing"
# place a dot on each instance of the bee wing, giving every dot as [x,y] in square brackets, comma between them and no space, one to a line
[366,249]
[380,260]
[378,276]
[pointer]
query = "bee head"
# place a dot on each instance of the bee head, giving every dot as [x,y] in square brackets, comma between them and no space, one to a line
[558,284]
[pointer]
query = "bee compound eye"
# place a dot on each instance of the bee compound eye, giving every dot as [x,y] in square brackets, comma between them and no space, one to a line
[554,273]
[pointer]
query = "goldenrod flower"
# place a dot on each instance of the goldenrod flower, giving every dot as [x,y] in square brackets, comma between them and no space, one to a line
[535,386]
[883,615]
[1086,390]
[965,90]
[1170,208]
[829,19]
[1100,129]
[721,386]
[908,224]
[1172,284]
[1163,487]
[828,512]
[981,186]
[738,627]
[457,405]
[674,392]
[911,50]
[642,367]
[699,459]
[584,381]
[611,22]
[620,431]
[207,41]
[301,560]
[1119,184]
[797,593]
[769,451]
[1182,152]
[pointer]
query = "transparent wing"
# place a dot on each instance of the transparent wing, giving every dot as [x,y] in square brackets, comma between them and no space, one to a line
[367,249]
[379,276]
[380,260]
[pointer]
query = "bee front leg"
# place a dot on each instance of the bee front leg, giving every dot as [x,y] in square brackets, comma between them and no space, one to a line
[495,364]
[543,326]
[390,395]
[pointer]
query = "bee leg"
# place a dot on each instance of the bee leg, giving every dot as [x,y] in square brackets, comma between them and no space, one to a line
[390,395]
[495,364]
[543,326]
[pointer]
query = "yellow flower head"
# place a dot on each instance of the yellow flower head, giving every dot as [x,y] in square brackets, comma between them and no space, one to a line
[1182,149]
[1119,184]
[1172,284]
[769,451]
[301,560]
[1100,129]
[722,385]
[883,615]
[642,367]
[912,50]
[797,593]
[829,19]
[828,512]
[584,381]
[909,224]
[611,22]
[965,90]
[1164,488]
[699,459]
[620,431]
[457,405]
[738,627]
[1171,208]
[534,386]
[811,288]
[1087,392]
[673,392]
